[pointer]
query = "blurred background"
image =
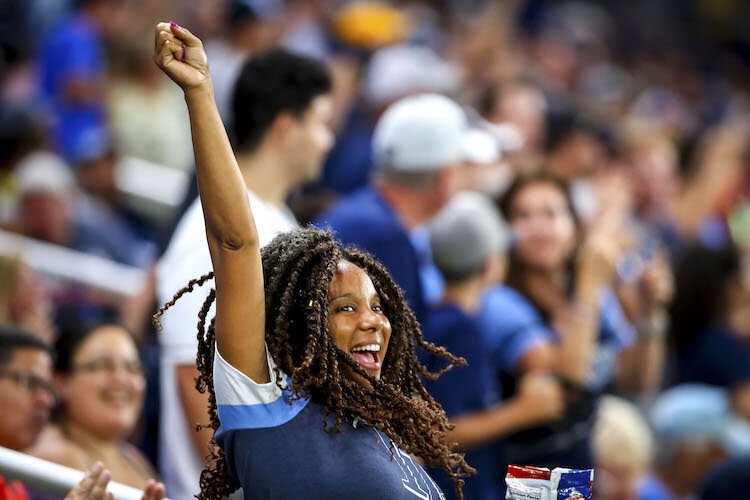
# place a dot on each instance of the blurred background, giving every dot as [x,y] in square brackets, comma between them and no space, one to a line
[642,108]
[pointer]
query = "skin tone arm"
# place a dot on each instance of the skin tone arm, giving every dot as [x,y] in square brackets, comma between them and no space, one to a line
[194,404]
[539,399]
[230,228]
[644,302]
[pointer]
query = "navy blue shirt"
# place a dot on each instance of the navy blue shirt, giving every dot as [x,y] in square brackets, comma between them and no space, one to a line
[365,220]
[277,448]
[716,357]
[465,389]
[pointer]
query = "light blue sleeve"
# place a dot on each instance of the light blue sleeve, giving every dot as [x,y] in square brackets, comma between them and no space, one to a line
[511,327]
[244,404]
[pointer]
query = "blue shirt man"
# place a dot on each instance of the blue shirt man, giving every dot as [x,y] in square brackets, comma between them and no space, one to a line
[365,220]
[418,142]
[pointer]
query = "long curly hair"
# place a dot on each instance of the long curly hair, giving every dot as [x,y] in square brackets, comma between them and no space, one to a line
[297,268]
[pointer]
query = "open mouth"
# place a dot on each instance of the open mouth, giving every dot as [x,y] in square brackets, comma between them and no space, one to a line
[368,356]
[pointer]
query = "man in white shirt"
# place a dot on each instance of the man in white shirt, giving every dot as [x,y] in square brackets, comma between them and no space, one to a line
[281,123]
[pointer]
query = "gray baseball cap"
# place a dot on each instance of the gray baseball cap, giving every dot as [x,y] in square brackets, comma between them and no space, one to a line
[467,231]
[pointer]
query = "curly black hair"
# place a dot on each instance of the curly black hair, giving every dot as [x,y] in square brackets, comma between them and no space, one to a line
[297,268]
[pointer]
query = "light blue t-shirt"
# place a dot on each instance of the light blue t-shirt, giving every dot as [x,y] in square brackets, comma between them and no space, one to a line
[277,448]
[512,326]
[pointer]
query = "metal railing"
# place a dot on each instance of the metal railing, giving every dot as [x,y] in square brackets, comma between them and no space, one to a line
[71,265]
[52,477]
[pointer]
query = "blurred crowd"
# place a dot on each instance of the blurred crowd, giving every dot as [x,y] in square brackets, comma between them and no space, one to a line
[561,188]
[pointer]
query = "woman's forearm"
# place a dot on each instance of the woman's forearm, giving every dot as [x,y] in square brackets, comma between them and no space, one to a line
[577,329]
[222,189]
[475,429]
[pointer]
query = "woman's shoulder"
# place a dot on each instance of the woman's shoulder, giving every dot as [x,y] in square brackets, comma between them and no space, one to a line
[53,446]
[503,305]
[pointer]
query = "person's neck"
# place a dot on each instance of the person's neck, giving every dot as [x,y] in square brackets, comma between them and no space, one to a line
[546,287]
[466,295]
[409,206]
[554,278]
[263,173]
[93,446]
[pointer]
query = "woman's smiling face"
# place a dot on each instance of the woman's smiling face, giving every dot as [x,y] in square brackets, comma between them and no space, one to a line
[104,391]
[356,320]
[543,226]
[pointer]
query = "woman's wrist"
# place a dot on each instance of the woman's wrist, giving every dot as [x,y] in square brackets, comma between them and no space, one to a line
[199,91]
[654,325]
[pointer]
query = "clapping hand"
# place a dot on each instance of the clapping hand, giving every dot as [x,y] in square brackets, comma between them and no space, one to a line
[93,486]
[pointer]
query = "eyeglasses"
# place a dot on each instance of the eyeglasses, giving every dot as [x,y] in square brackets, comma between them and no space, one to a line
[110,366]
[30,382]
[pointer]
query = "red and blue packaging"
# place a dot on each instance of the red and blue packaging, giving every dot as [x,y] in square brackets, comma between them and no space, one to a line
[538,483]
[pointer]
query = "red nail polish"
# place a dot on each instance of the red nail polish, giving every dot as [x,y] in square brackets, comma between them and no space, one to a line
[175,24]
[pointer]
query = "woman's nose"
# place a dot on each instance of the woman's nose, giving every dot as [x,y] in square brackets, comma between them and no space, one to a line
[370,320]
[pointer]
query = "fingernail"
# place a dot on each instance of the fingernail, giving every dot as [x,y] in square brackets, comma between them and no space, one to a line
[97,467]
[172,23]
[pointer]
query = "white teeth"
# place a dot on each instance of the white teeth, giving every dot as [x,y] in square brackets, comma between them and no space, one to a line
[370,347]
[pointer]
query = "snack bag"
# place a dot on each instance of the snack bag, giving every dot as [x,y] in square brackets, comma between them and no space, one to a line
[573,484]
[537,483]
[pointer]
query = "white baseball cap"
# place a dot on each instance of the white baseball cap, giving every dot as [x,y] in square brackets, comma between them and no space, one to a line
[44,172]
[420,133]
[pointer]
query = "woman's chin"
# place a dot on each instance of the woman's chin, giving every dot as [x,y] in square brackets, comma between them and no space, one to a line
[360,379]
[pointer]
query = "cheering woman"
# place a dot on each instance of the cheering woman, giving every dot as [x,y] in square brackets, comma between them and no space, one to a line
[310,362]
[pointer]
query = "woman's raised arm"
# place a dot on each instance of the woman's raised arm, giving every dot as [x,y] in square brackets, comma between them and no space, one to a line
[230,228]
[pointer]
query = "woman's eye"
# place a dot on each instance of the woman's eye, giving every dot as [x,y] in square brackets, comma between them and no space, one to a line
[346,309]
[377,308]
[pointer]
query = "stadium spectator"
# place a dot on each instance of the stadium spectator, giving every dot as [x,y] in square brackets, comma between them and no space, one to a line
[418,149]
[101,385]
[52,209]
[558,312]
[695,431]
[710,324]
[24,300]
[72,72]
[468,240]
[27,388]
[623,449]
[281,109]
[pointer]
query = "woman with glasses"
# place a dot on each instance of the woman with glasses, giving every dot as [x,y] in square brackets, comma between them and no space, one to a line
[101,389]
